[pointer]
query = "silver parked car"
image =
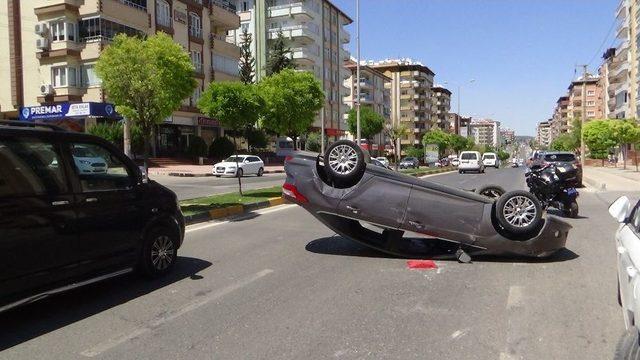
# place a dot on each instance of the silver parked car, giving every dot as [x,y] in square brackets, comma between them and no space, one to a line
[404,215]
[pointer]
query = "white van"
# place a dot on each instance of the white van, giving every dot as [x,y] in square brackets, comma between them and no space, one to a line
[470,161]
[490,159]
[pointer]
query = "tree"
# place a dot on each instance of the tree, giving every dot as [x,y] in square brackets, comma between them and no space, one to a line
[564,142]
[114,133]
[458,142]
[438,137]
[599,137]
[371,123]
[147,79]
[279,56]
[414,152]
[235,105]
[313,142]
[625,132]
[395,133]
[293,99]
[247,62]
[197,147]
[256,138]
[502,155]
[221,148]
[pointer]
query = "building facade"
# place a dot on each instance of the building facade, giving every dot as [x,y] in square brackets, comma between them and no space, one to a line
[543,133]
[373,94]
[594,103]
[441,105]
[411,100]
[315,32]
[485,132]
[52,47]
[624,69]
[508,136]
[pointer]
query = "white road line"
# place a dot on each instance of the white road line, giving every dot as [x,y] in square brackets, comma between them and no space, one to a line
[213,223]
[172,315]
[515,327]
[516,297]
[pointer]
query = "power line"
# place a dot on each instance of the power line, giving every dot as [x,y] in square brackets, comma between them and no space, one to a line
[615,20]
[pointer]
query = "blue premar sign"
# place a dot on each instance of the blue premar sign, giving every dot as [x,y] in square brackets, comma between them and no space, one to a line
[66,110]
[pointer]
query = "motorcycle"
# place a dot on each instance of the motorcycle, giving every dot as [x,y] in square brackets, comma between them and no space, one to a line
[555,186]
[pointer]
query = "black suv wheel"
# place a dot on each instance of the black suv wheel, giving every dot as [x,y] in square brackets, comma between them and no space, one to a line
[159,252]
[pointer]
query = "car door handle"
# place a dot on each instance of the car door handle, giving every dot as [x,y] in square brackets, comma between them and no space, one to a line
[91,200]
[416,224]
[353,209]
[59,203]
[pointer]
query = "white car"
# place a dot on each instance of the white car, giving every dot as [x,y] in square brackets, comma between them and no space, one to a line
[87,161]
[490,159]
[246,165]
[383,160]
[628,253]
[455,161]
[470,161]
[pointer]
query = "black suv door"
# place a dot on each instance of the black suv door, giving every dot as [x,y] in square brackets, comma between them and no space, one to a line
[110,207]
[37,232]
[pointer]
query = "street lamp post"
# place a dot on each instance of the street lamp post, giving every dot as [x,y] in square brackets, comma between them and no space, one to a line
[358,72]
[471,81]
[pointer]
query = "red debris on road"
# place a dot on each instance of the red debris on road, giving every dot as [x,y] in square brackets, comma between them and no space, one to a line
[421,264]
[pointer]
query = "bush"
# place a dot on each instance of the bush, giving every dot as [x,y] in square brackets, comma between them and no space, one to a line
[221,148]
[256,138]
[113,132]
[197,147]
[415,152]
[313,142]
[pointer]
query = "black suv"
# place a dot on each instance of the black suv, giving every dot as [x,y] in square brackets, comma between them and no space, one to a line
[75,210]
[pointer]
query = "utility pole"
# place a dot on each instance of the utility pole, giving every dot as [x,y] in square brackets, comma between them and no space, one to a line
[584,114]
[127,138]
[358,71]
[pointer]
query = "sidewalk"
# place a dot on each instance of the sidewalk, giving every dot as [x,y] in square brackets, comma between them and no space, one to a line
[612,179]
[202,170]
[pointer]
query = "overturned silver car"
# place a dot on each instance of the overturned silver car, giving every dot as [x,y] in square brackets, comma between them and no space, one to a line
[405,216]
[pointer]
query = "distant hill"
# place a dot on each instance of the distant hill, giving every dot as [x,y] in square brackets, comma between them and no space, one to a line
[524,138]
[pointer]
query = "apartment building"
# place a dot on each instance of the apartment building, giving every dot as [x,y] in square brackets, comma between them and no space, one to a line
[315,32]
[411,100]
[52,47]
[609,73]
[441,105]
[507,136]
[624,67]
[459,124]
[594,102]
[543,133]
[485,132]
[373,94]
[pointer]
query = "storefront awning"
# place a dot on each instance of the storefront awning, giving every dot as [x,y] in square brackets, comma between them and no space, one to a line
[66,110]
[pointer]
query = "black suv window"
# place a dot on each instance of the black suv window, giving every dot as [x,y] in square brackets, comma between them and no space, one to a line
[559,157]
[30,167]
[99,169]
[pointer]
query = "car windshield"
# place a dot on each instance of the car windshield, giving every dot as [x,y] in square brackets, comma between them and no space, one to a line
[409,159]
[559,157]
[233,159]
[83,152]
[468,156]
[489,156]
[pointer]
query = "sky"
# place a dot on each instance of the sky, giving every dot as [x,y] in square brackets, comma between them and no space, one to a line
[521,53]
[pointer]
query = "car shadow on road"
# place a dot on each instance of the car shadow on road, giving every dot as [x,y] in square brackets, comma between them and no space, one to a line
[34,320]
[338,245]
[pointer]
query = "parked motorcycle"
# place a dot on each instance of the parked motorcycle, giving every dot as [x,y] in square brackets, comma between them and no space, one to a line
[555,186]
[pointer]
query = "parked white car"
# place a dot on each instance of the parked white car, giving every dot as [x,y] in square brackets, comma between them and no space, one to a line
[87,161]
[470,161]
[455,161]
[383,160]
[490,159]
[246,165]
[628,251]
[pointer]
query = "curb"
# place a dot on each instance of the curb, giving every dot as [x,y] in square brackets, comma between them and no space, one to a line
[233,210]
[434,172]
[594,183]
[188,174]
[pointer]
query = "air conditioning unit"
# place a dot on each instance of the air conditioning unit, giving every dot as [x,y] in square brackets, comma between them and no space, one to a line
[41,29]
[42,44]
[46,89]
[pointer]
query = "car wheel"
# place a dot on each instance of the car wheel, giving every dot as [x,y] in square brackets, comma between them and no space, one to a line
[344,163]
[217,175]
[628,347]
[239,173]
[518,212]
[260,172]
[159,252]
[572,212]
[491,191]
[459,171]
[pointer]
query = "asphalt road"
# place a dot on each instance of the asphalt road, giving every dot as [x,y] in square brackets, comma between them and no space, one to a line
[193,187]
[280,285]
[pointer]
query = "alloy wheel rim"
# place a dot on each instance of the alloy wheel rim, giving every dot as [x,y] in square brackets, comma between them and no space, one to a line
[162,252]
[343,159]
[519,211]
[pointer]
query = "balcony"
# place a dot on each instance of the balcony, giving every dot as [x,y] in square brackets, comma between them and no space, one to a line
[221,46]
[621,71]
[364,83]
[292,10]
[345,54]
[623,30]
[131,13]
[305,55]
[223,15]
[296,31]
[59,6]
[621,10]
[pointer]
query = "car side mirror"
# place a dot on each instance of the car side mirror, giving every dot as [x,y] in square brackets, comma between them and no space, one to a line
[619,210]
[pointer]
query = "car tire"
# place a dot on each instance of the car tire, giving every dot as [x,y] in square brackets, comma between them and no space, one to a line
[239,173]
[217,175]
[459,171]
[159,252]
[260,172]
[344,163]
[518,212]
[628,347]
[572,212]
[491,191]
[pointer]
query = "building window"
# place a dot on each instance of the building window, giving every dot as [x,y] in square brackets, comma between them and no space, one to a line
[225,64]
[195,25]
[591,113]
[61,31]
[196,96]
[62,76]
[245,6]
[196,59]
[591,103]
[88,76]
[163,13]
[244,27]
[98,28]
[591,92]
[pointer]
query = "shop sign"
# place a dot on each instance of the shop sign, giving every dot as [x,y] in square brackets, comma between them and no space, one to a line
[180,16]
[67,110]
[203,121]
[334,132]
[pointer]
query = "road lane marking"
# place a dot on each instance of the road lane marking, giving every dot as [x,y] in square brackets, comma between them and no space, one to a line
[172,315]
[208,225]
[516,329]
[516,297]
